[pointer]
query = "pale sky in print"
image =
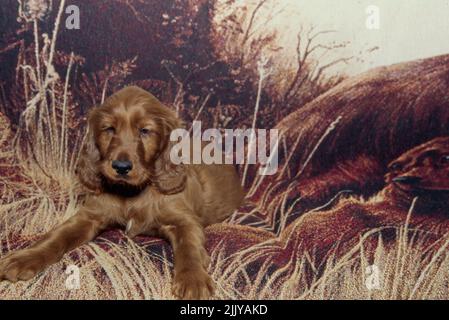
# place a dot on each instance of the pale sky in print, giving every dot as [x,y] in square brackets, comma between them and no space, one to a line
[409,29]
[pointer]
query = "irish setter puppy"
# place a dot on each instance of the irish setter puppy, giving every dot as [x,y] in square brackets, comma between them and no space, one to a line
[125,165]
[419,176]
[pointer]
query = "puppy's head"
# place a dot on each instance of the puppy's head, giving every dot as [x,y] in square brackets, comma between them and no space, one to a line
[127,144]
[423,168]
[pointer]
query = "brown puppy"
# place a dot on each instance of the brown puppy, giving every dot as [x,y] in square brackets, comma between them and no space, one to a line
[421,173]
[126,165]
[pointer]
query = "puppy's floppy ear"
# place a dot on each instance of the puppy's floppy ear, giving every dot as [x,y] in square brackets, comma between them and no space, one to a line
[87,169]
[169,178]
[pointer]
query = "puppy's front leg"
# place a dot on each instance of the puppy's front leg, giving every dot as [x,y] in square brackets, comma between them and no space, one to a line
[191,280]
[25,264]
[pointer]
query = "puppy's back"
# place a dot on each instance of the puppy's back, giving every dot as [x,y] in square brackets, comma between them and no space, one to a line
[221,191]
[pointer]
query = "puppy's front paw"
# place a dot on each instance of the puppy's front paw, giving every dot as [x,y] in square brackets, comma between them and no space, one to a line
[193,284]
[21,265]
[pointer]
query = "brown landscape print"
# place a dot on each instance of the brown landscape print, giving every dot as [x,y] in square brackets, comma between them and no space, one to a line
[362,186]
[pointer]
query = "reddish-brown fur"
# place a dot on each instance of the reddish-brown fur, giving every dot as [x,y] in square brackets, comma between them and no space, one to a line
[155,197]
[421,173]
[383,112]
[358,176]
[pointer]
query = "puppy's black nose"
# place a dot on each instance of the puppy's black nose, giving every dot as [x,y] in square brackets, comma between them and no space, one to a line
[407,180]
[122,167]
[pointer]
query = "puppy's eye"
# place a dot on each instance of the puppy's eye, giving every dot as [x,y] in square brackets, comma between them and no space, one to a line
[109,129]
[144,131]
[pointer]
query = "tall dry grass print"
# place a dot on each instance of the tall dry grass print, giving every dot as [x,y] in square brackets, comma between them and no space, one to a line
[223,63]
